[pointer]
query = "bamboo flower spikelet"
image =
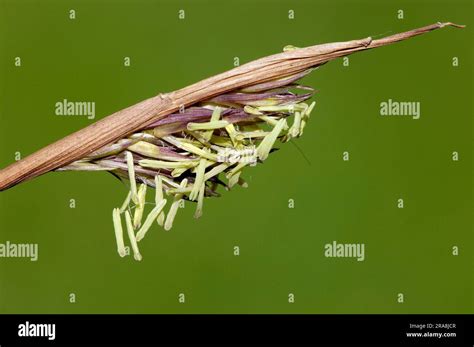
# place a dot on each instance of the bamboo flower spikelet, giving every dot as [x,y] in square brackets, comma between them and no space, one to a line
[189,154]
[188,143]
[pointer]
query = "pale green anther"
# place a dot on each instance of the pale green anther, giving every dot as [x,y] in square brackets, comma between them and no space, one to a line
[174,206]
[198,135]
[131,236]
[304,107]
[239,137]
[177,141]
[252,110]
[288,48]
[216,170]
[198,151]
[208,163]
[218,124]
[142,136]
[199,179]
[145,148]
[221,141]
[131,176]
[126,202]
[234,135]
[205,142]
[264,102]
[234,175]
[272,121]
[216,114]
[138,214]
[186,190]
[153,151]
[307,113]
[165,130]
[142,194]
[170,182]
[295,128]
[267,143]
[159,164]
[178,171]
[150,219]
[198,212]
[234,179]
[236,169]
[118,232]
[159,196]
[290,108]
[303,124]
[110,149]
[185,145]
[254,134]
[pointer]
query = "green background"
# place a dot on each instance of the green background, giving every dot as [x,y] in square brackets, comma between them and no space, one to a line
[407,250]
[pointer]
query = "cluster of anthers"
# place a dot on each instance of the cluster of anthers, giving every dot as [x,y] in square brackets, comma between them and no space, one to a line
[186,155]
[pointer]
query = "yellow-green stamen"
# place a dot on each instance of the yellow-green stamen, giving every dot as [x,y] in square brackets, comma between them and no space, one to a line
[159,197]
[174,206]
[200,201]
[266,145]
[214,117]
[126,202]
[158,164]
[137,216]
[118,232]
[149,220]
[199,179]
[218,124]
[131,236]
[131,174]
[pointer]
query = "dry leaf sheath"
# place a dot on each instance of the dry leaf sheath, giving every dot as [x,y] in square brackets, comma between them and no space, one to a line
[225,123]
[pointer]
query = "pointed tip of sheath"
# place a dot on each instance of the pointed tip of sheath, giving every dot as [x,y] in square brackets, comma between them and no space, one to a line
[441,25]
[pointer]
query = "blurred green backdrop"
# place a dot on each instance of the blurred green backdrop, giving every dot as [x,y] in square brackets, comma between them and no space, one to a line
[407,250]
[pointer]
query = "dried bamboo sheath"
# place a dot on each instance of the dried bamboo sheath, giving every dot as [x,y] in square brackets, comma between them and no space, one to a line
[138,116]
